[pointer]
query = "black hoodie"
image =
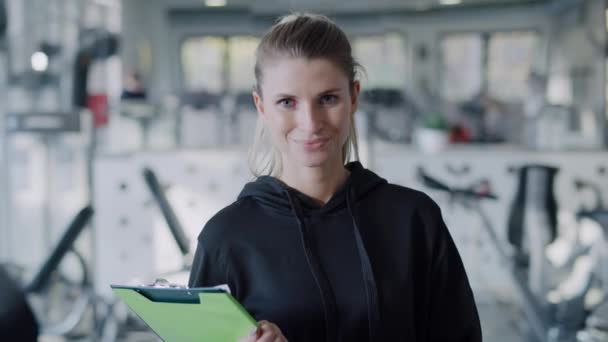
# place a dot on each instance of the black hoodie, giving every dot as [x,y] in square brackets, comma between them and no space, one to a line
[375,263]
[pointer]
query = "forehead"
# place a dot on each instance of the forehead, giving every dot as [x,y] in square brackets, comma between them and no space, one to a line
[289,74]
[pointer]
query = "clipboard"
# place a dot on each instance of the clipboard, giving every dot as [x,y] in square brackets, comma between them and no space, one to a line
[188,314]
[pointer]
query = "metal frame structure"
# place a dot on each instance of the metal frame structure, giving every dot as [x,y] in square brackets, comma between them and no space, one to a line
[5,238]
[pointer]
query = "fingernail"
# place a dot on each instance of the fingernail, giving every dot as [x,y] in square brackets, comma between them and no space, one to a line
[253,332]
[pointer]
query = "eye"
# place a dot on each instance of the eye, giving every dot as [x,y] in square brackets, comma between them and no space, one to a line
[329,99]
[286,103]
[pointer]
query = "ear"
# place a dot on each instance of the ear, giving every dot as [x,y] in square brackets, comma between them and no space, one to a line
[259,105]
[355,96]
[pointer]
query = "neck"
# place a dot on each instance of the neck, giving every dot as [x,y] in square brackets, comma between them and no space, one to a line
[319,183]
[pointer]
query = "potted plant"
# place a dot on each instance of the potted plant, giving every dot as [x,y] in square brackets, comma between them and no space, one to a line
[432,134]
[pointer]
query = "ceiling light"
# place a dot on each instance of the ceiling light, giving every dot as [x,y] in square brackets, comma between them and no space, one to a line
[215,3]
[450,2]
[40,61]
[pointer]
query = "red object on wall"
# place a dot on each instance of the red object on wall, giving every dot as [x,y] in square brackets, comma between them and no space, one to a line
[459,134]
[98,105]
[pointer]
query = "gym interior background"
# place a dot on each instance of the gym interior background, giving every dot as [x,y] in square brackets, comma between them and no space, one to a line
[125,126]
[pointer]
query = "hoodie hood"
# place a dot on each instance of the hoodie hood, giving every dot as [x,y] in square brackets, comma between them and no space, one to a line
[374,263]
[271,192]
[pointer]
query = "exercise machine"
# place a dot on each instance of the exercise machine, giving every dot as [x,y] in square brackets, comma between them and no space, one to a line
[548,321]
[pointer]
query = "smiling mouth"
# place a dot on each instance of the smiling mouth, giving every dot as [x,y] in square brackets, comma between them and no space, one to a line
[313,144]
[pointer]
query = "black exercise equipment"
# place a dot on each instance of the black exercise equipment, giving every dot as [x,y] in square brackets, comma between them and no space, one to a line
[388,97]
[17,322]
[391,113]
[244,100]
[3,19]
[537,315]
[65,244]
[95,45]
[547,321]
[535,192]
[467,192]
[201,100]
[167,210]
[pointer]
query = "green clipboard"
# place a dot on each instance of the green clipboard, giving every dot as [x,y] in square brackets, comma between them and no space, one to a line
[188,314]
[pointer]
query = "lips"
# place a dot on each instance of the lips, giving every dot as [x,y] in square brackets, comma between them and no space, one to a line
[312,144]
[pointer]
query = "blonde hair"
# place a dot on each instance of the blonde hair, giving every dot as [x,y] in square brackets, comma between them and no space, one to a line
[301,35]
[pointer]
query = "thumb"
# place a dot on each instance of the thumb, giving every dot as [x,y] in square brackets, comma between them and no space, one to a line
[252,337]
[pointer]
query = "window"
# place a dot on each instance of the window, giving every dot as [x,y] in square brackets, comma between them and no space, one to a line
[388,71]
[218,64]
[510,58]
[461,66]
[203,64]
[242,62]
[503,74]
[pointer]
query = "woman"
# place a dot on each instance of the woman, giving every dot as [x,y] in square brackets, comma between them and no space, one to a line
[318,248]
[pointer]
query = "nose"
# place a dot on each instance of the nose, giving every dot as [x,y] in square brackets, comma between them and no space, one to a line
[311,118]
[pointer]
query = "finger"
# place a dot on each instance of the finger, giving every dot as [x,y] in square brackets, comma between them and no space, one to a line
[269,332]
[252,337]
[268,336]
[248,338]
[266,325]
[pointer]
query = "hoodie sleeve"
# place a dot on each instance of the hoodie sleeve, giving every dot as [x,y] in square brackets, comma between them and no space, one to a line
[453,314]
[208,267]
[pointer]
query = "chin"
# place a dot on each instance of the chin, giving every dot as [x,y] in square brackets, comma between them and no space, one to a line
[313,160]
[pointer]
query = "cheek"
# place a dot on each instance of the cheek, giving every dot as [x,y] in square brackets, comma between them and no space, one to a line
[278,124]
[341,122]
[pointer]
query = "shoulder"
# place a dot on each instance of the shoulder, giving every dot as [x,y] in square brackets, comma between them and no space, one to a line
[228,222]
[411,209]
[405,196]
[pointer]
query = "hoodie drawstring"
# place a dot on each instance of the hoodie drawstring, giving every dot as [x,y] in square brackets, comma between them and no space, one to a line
[371,290]
[327,296]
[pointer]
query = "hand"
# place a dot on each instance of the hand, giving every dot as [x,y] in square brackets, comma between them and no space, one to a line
[266,332]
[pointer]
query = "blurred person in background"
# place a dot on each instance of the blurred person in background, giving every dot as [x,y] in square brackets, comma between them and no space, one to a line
[134,87]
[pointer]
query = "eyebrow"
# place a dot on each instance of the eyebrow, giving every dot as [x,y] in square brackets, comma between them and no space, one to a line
[280,96]
[332,90]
